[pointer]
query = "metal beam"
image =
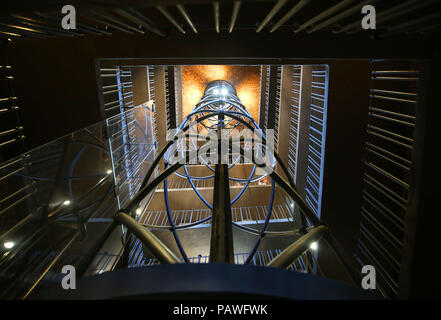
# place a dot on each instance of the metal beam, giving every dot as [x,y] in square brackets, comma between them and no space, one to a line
[138,18]
[159,250]
[25,21]
[24,31]
[401,10]
[216,10]
[96,14]
[388,14]
[429,29]
[234,14]
[106,23]
[290,14]
[296,249]
[271,14]
[324,14]
[55,17]
[170,18]
[342,15]
[186,16]
[221,242]
[303,206]
[411,24]
[9,35]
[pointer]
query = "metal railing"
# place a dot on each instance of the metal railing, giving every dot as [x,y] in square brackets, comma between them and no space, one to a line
[12,132]
[387,169]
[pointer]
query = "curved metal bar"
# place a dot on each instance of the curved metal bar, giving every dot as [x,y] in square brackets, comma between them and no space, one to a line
[265,225]
[90,144]
[70,170]
[240,120]
[196,190]
[214,113]
[160,251]
[176,136]
[198,111]
[199,120]
[189,178]
[245,186]
[295,250]
[172,225]
[144,191]
[155,164]
[292,192]
[282,166]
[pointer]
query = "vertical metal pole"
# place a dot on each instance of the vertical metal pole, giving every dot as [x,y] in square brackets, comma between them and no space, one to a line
[221,243]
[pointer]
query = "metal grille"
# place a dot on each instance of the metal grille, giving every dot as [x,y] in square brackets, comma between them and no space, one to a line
[317,137]
[106,262]
[151,92]
[11,131]
[304,264]
[116,90]
[185,184]
[132,148]
[271,87]
[267,102]
[241,215]
[294,121]
[277,107]
[167,99]
[176,94]
[387,167]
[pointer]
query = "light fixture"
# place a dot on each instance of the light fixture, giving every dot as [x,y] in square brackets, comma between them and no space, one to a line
[314,245]
[138,211]
[216,91]
[66,202]
[9,244]
[292,204]
[109,171]
[224,91]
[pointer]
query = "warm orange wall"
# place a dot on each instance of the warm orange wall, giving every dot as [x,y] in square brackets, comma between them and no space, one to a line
[246,79]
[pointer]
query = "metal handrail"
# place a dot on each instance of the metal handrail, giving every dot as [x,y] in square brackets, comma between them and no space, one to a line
[159,249]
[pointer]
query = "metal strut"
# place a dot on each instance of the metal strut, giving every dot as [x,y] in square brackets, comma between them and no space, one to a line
[221,243]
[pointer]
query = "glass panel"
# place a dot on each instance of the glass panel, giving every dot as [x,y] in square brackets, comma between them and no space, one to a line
[56,200]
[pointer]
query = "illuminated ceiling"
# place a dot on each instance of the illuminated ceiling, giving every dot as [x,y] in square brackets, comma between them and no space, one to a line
[246,80]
